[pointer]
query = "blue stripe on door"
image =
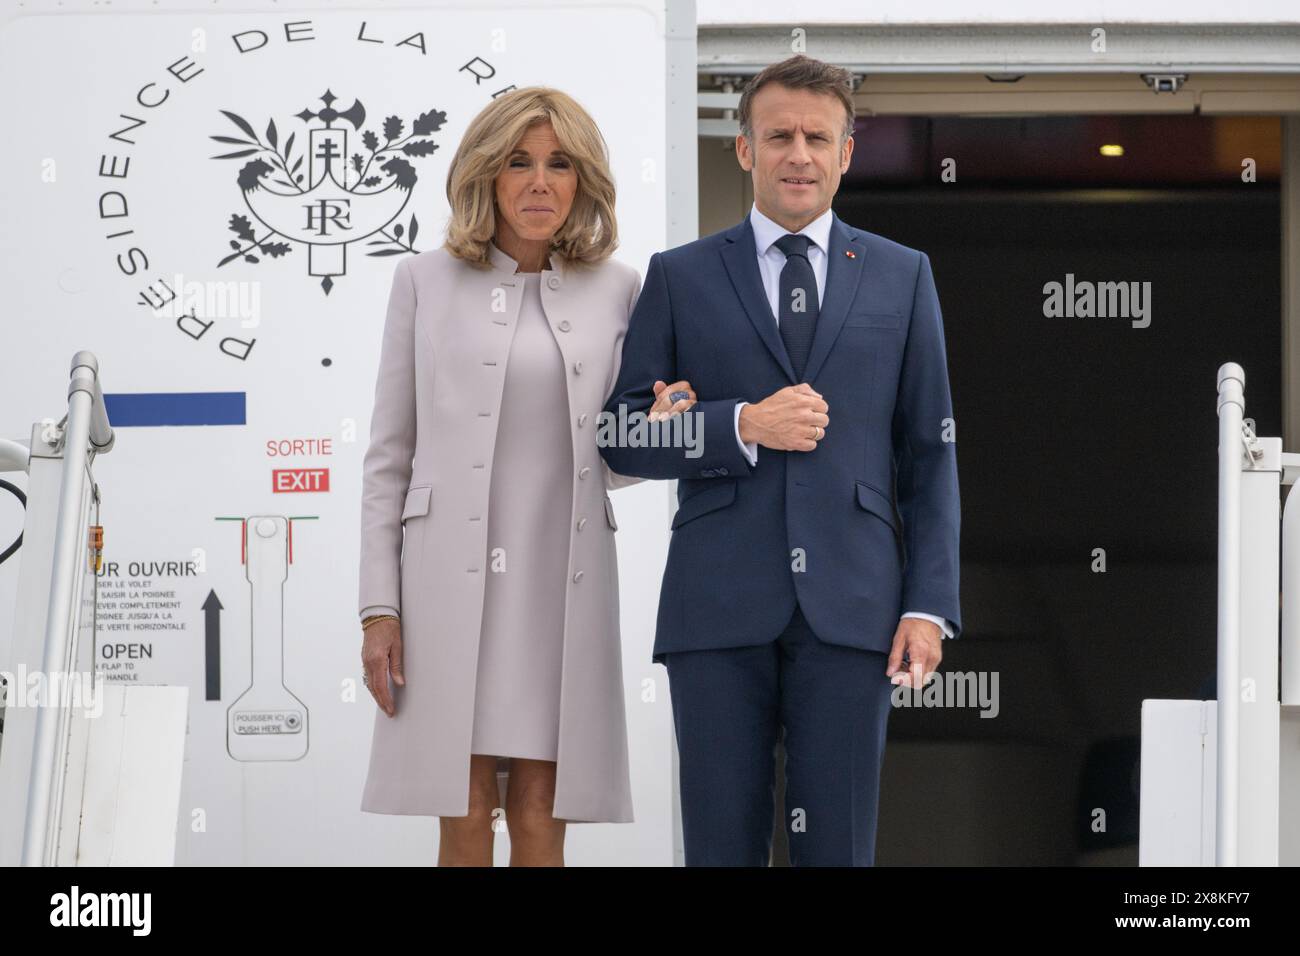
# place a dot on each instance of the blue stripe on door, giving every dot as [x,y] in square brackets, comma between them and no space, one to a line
[145,409]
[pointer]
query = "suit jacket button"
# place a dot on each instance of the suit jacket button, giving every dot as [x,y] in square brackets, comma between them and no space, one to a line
[553,282]
[584,473]
[722,471]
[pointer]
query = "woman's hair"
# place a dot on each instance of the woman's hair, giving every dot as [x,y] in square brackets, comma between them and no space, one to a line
[589,234]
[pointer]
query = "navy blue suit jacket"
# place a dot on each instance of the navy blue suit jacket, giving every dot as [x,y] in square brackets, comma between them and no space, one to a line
[875,508]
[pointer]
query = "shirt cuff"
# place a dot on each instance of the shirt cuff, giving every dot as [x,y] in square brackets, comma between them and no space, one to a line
[378,609]
[933,618]
[750,449]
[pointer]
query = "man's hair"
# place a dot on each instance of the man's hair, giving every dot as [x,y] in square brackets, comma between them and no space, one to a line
[801,72]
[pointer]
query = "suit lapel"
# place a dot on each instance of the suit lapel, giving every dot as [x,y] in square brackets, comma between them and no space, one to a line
[843,272]
[740,256]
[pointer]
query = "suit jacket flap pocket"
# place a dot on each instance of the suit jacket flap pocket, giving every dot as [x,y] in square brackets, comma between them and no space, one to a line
[702,502]
[869,499]
[417,501]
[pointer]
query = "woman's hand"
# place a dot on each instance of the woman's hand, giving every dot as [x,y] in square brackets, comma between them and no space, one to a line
[666,406]
[381,654]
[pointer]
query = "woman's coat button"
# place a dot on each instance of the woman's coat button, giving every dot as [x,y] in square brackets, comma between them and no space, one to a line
[553,282]
[584,473]
[577,577]
[564,326]
[581,522]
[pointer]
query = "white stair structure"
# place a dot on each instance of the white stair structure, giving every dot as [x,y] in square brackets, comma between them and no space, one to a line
[1221,778]
[89,774]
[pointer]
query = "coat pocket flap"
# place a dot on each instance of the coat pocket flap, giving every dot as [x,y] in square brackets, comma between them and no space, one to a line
[702,502]
[609,513]
[417,501]
[869,499]
[875,320]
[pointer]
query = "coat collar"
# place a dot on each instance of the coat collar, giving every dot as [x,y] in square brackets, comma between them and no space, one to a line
[505,263]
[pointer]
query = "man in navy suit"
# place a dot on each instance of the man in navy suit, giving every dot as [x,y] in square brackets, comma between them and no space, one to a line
[814,555]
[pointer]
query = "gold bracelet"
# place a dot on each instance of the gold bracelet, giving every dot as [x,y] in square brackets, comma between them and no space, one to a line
[376,618]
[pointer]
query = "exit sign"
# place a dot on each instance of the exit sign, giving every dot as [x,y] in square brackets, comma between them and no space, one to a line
[300,479]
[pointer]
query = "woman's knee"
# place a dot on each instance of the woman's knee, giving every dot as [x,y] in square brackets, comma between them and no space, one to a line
[530,802]
[484,795]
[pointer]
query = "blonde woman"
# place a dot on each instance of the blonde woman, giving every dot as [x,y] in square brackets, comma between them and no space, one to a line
[488,596]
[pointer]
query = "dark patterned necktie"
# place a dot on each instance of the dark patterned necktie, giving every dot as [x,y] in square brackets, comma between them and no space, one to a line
[797,305]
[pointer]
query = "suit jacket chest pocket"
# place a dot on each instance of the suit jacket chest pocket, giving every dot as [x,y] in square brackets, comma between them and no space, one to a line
[870,346]
[874,320]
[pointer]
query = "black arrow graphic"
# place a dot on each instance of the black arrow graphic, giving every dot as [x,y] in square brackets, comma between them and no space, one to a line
[212,644]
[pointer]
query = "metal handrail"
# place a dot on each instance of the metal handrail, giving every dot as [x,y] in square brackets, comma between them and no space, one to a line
[1231,408]
[87,431]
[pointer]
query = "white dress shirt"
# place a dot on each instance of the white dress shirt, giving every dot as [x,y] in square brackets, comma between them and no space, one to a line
[771,260]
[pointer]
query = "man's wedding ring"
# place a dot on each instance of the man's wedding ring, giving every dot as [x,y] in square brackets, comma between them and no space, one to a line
[820,433]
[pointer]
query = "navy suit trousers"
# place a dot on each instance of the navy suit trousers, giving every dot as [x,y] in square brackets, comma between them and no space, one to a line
[728,706]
